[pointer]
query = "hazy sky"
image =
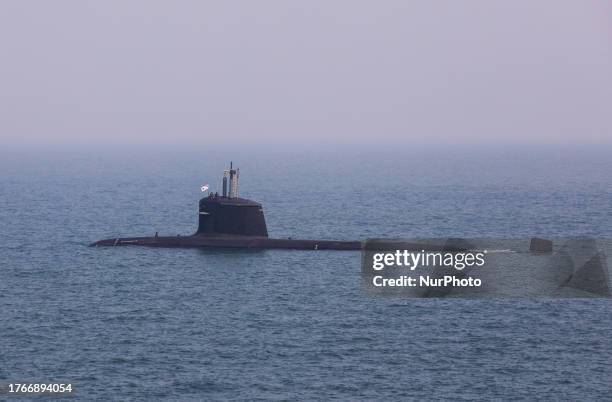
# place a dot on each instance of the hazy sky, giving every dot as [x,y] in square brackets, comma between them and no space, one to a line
[304,72]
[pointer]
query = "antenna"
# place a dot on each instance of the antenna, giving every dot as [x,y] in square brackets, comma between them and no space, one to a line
[233,182]
[236,185]
[225,173]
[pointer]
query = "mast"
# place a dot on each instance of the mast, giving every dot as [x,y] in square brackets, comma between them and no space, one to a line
[233,181]
[225,173]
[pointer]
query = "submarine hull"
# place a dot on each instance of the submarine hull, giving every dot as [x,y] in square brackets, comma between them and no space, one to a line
[252,242]
[232,222]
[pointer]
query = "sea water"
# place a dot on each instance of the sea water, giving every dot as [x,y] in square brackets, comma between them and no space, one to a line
[144,323]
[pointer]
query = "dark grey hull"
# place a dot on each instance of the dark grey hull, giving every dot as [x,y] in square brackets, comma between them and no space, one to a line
[251,242]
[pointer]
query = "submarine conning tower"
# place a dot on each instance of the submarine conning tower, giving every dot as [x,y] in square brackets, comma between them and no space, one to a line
[228,214]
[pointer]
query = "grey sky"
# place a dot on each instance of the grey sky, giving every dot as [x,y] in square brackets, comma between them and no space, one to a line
[289,72]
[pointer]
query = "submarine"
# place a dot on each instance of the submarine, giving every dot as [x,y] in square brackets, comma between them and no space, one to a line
[229,221]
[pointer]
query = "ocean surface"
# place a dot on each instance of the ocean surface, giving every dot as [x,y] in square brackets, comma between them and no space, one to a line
[131,323]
